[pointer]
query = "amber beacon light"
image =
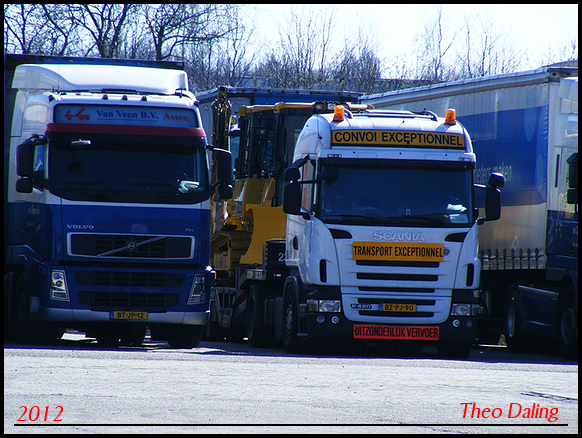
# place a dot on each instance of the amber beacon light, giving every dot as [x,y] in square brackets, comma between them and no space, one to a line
[338,114]
[450,117]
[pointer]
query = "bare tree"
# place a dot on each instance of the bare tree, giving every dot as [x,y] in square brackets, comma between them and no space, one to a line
[358,70]
[237,65]
[222,60]
[435,49]
[171,28]
[303,47]
[488,50]
[104,25]
[565,55]
[24,28]
[63,36]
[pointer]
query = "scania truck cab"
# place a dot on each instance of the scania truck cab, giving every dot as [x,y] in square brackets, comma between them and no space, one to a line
[382,230]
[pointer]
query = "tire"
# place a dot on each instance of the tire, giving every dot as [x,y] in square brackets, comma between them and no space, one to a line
[257,333]
[132,334]
[22,326]
[454,350]
[291,342]
[185,336]
[108,337]
[516,339]
[567,325]
[24,330]
[213,332]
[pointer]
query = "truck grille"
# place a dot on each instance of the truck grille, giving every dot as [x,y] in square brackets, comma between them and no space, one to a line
[129,279]
[130,246]
[118,300]
[368,284]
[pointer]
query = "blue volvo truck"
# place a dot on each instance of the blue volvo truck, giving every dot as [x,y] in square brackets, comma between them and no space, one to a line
[108,179]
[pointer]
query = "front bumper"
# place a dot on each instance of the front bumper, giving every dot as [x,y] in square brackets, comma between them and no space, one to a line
[85,315]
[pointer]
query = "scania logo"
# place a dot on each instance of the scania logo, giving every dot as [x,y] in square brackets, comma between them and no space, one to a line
[131,246]
[398,236]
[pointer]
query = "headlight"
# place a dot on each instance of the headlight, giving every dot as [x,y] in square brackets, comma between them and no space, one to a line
[59,285]
[198,287]
[461,309]
[324,305]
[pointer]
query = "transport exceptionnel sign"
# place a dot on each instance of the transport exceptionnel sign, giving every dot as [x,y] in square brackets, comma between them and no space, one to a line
[422,139]
[397,251]
[126,115]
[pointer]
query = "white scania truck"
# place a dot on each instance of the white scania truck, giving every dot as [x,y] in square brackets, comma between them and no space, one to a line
[381,237]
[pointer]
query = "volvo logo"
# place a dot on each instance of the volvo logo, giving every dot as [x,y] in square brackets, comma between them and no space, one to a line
[131,246]
[80,227]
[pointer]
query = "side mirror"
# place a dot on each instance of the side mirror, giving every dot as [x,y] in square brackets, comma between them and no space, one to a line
[223,166]
[572,194]
[496,180]
[492,204]
[25,159]
[292,174]
[292,197]
[225,191]
[25,163]
[223,173]
[24,185]
[492,198]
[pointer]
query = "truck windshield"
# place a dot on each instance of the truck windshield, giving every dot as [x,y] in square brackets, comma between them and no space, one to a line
[407,195]
[97,167]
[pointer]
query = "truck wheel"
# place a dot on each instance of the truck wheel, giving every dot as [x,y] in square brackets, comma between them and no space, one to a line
[132,334]
[567,325]
[290,323]
[185,336]
[21,312]
[454,350]
[24,330]
[258,334]
[515,337]
[213,332]
[107,337]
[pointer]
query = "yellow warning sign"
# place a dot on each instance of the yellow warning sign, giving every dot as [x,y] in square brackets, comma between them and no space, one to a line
[398,251]
[421,139]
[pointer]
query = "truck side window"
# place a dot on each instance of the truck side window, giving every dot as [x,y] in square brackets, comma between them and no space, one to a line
[308,174]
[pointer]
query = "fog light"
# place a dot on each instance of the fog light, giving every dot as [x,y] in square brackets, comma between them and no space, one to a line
[320,319]
[456,323]
[461,309]
[469,323]
[334,319]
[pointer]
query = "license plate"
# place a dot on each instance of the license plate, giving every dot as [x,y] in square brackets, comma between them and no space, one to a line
[124,314]
[411,333]
[390,307]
